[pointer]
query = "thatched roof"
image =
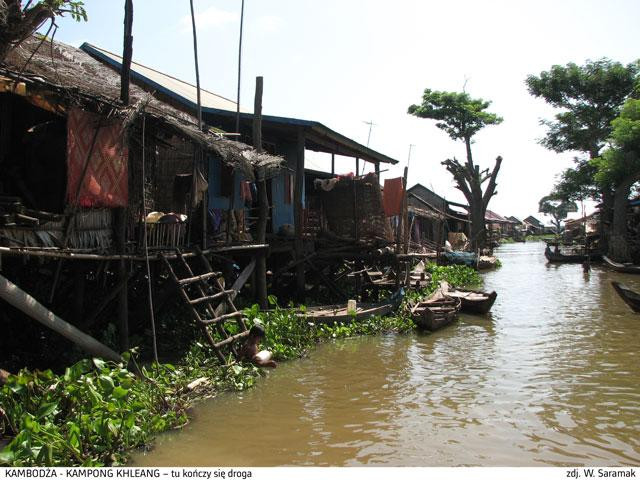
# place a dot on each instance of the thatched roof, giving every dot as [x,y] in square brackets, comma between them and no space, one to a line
[67,76]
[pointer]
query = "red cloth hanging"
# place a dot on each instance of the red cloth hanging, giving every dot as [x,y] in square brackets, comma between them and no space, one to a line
[105,183]
[392,196]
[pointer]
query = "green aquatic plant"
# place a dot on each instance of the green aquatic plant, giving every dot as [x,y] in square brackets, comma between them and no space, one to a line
[97,411]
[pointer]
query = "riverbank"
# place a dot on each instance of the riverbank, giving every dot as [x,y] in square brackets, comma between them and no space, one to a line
[547,378]
[97,412]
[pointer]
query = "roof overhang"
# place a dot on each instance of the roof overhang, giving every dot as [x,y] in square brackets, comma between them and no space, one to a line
[318,137]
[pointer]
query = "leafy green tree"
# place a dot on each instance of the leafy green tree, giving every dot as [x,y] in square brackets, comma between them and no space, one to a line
[461,117]
[557,208]
[589,98]
[18,22]
[619,166]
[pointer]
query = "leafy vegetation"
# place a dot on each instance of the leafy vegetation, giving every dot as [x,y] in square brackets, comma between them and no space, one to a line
[589,98]
[97,411]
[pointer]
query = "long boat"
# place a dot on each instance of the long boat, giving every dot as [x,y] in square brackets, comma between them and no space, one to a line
[630,297]
[473,301]
[621,267]
[330,314]
[559,257]
[436,311]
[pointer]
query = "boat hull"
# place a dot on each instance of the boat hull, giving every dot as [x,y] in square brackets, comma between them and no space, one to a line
[433,315]
[630,297]
[621,267]
[554,257]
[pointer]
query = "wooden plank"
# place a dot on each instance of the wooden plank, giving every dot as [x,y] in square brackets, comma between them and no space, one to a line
[210,298]
[222,318]
[231,339]
[198,278]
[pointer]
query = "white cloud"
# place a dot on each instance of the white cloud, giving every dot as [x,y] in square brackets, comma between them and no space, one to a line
[268,23]
[212,17]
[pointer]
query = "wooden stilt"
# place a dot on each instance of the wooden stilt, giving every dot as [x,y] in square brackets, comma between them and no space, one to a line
[297,200]
[120,221]
[263,201]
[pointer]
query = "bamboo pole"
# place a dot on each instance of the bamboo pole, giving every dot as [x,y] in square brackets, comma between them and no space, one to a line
[24,302]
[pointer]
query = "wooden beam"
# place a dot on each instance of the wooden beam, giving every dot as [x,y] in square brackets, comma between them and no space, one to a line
[30,306]
[297,205]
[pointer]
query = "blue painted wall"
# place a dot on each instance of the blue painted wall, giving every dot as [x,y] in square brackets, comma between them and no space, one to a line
[282,213]
[216,200]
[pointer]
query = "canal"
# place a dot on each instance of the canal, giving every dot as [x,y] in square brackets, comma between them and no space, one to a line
[550,377]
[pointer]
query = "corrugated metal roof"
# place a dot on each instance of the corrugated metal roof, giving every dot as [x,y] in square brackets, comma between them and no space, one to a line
[166,83]
[214,104]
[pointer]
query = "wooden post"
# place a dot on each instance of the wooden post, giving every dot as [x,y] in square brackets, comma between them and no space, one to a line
[29,305]
[405,224]
[120,229]
[333,164]
[263,200]
[127,53]
[356,233]
[357,166]
[297,205]
[78,294]
[377,167]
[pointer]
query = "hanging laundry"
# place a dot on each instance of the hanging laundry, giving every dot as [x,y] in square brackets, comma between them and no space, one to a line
[392,196]
[245,192]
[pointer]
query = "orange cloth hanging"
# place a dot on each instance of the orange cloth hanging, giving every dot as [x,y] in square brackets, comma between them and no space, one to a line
[392,196]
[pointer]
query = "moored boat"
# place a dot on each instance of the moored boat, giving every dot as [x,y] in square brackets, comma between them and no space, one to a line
[575,256]
[436,311]
[472,301]
[621,267]
[630,297]
[330,314]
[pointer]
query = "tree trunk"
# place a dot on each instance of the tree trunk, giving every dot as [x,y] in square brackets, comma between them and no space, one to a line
[478,228]
[618,247]
[606,218]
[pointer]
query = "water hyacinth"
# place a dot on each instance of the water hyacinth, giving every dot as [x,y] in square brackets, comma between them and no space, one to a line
[97,411]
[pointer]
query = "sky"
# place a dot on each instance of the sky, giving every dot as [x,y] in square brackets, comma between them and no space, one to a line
[347,62]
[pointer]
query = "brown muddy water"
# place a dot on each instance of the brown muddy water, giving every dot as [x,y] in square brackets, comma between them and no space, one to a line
[550,377]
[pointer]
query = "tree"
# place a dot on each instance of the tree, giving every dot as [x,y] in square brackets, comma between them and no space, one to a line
[619,166]
[557,208]
[18,22]
[461,117]
[590,97]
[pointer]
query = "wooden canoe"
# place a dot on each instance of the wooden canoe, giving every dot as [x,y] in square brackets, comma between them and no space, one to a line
[473,301]
[621,267]
[630,297]
[558,257]
[436,311]
[330,314]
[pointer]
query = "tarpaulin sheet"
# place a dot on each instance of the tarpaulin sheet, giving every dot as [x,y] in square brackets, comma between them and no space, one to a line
[392,196]
[105,183]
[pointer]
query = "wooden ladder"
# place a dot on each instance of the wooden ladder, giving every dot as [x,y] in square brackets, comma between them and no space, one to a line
[206,298]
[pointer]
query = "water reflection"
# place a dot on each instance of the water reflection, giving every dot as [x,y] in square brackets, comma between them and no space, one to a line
[548,378]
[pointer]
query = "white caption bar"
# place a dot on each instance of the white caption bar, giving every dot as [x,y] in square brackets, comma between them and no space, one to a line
[314,473]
